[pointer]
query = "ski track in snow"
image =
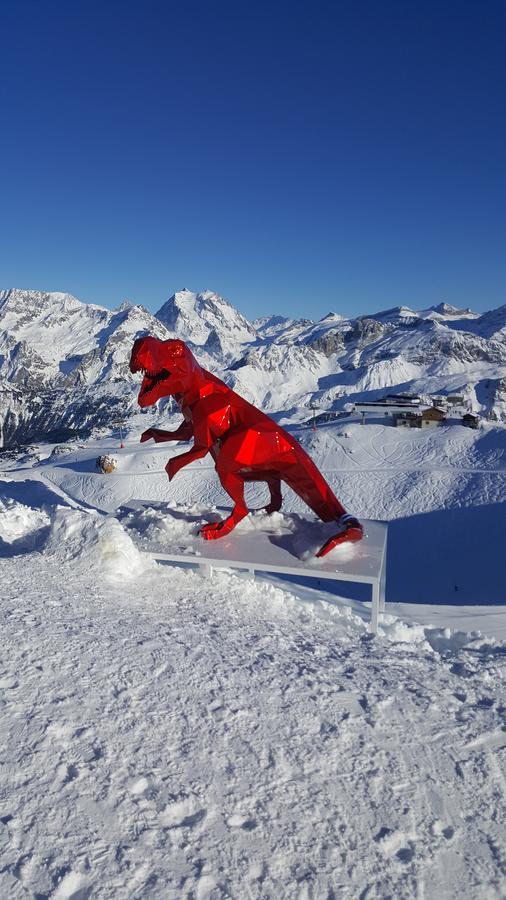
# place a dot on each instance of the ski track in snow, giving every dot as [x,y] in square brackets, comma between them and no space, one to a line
[163,740]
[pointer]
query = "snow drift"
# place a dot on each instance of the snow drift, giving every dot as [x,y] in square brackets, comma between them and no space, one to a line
[88,540]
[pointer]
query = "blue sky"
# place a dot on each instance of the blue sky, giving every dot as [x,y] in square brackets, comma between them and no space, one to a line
[294,157]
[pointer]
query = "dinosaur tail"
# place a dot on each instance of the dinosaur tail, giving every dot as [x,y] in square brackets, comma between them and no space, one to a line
[307,481]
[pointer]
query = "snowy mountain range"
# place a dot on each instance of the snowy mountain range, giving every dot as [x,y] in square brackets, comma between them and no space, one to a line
[64,363]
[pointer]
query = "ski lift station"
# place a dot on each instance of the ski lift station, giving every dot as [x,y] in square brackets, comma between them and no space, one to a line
[412,411]
[389,406]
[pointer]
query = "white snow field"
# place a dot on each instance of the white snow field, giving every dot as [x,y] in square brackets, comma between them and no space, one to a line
[166,735]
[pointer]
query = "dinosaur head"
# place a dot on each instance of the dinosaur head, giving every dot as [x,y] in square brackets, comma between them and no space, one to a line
[169,368]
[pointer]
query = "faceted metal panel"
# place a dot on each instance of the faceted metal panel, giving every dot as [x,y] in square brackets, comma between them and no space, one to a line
[246,444]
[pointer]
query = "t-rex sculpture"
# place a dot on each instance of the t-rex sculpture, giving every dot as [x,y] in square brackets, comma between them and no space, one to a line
[246,445]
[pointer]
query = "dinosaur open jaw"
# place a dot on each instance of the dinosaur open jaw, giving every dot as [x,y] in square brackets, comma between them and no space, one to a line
[150,382]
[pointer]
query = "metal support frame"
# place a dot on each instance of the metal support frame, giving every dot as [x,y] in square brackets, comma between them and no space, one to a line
[263,551]
[375,576]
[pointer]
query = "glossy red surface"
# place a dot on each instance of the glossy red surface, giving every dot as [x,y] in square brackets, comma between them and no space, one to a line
[246,444]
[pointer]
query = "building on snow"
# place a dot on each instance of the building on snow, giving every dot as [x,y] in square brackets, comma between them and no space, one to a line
[432,416]
[388,406]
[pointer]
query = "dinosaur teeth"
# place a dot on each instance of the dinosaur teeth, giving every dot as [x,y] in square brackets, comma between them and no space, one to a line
[153,379]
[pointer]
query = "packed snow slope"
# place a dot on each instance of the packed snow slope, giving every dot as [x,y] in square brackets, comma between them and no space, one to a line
[64,363]
[166,735]
[168,738]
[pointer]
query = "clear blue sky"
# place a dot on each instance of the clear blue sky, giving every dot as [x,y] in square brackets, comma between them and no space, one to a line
[294,157]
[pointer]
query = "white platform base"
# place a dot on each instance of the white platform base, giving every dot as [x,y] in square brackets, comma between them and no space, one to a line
[281,545]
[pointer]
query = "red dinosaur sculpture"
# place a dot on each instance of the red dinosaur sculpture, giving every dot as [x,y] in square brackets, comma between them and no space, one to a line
[246,445]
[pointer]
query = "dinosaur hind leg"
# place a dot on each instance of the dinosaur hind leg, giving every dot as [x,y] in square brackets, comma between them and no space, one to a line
[234,486]
[274,485]
[307,481]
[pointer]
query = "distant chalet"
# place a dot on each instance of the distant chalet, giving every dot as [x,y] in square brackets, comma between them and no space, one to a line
[426,418]
[432,416]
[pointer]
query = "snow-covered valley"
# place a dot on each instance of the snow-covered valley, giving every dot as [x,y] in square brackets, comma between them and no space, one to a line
[166,735]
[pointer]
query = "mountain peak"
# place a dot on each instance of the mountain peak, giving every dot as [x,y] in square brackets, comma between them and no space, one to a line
[193,316]
[447,309]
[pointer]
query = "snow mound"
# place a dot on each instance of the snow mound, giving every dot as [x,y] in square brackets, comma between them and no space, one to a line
[162,524]
[399,632]
[87,539]
[274,523]
[342,552]
[18,521]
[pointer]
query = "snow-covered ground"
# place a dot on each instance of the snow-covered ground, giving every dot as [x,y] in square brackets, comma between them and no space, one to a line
[168,736]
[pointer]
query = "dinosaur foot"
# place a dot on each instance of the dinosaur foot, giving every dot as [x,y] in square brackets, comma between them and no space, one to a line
[351,532]
[272,508]
[215,530]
